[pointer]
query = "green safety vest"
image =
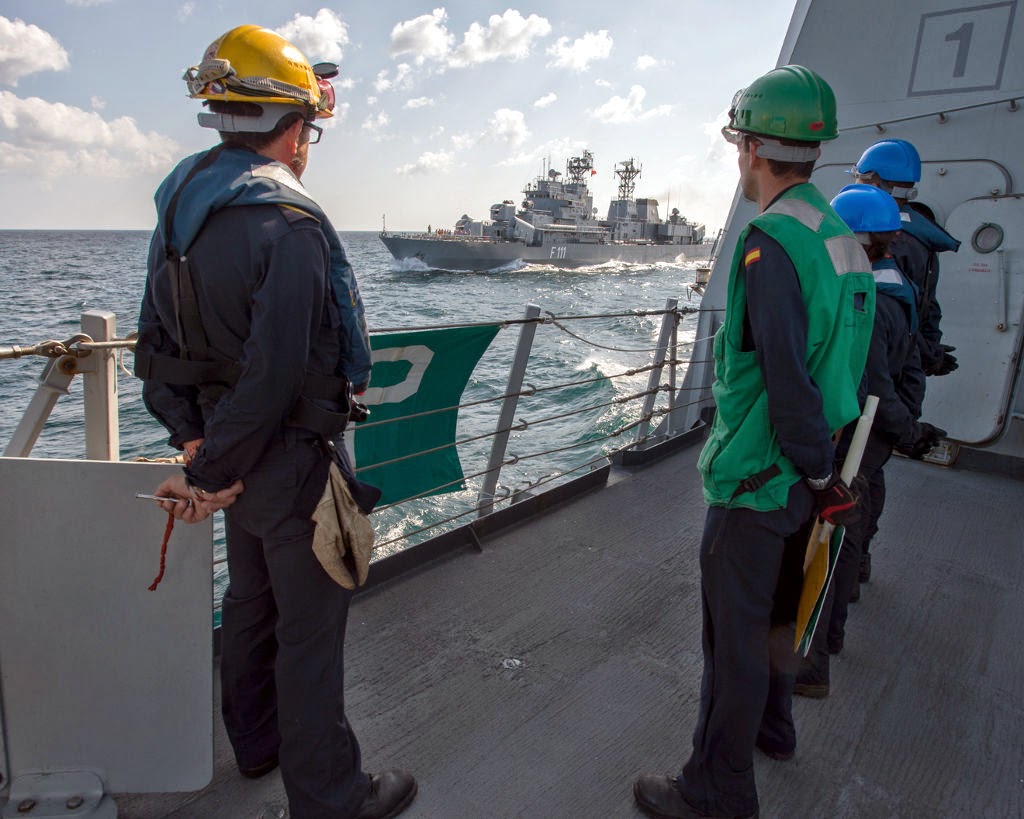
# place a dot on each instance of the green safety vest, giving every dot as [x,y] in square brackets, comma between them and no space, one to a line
[839,293]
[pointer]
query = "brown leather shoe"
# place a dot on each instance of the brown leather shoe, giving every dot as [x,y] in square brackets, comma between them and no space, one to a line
[390,793]
[659,797]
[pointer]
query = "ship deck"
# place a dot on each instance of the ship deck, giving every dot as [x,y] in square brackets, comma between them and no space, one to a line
[539,676]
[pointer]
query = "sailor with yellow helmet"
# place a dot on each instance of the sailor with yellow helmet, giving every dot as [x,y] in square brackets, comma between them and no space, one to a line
[251,339]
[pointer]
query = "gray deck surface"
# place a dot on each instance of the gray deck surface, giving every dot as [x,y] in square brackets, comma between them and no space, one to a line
[599,601]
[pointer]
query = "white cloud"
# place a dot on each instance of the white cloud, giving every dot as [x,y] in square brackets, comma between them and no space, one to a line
[52,139]
[462,142]
[323,37]
[425,37]
[97,103]
[376,122]
[507,35]
[603,84]
[372,100]
[645,62]
[580,53]
[546,100]
[619,110]
[418,102]
[719,151]
[555,148]
[402,78]
[506,125]
[428,162]
[25,49]
[347,83]
[185,11]
[340,114]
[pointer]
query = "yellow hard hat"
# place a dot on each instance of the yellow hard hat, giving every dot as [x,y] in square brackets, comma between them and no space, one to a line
[254,64]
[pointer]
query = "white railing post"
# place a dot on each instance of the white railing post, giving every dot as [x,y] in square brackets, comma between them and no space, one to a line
[485,501]
[668,323]
[99,370]
[53,383]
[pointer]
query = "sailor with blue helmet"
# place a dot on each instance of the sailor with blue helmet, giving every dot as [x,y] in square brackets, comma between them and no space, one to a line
[893,373]
[894,165]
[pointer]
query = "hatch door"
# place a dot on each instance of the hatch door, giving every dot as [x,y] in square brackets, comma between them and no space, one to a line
[981,292]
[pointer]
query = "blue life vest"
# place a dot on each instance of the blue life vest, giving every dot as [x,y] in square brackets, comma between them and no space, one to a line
[926,231]
[890,281]
[236,177]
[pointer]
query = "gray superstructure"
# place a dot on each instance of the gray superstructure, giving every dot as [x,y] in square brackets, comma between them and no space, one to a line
[556,224]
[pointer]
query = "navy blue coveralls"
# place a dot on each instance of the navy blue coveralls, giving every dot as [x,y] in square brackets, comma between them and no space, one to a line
[266,302]
[915,251]
[893,373]
[752,562]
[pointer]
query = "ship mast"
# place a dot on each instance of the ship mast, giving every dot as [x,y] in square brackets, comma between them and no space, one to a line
[579,167]
[627,172]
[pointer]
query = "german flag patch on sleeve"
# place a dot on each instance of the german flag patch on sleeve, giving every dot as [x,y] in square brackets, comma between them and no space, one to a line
[752,256]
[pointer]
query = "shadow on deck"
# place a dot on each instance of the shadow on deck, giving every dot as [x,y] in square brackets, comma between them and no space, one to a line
[539,677]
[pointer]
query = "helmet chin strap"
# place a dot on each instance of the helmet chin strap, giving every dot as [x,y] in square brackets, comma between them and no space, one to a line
[900,191]
[770,149]
[237,124]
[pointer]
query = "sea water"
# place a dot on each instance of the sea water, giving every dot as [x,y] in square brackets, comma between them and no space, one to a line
[49,278]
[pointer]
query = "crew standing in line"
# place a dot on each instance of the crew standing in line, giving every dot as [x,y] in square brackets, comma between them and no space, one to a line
[788,360]
[251,336]
[894,165]
[893,374]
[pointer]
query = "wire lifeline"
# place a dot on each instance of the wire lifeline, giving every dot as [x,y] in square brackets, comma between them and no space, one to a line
[519,426]
[540,482]
[528,392]
[569,332]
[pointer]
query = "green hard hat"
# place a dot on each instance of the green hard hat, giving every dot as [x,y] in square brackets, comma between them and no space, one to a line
[791,102]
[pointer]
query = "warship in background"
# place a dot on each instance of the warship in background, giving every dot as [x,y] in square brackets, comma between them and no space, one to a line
[556,225]
[531,662]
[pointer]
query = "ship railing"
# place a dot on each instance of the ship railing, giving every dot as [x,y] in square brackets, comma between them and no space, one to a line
[547,429]
[449,236]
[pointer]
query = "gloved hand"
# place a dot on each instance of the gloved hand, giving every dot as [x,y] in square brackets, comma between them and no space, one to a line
[946,364]
[837,503]
[924,438]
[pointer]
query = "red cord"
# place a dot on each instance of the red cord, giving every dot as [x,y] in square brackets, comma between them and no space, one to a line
[163,552]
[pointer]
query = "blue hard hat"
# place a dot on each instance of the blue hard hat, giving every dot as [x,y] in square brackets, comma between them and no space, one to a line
[894,160]
[867,209]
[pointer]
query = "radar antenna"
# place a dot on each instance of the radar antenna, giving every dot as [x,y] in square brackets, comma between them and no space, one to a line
[579,167]
[627,172]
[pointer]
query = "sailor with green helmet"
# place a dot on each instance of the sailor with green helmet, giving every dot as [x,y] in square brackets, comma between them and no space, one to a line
[788,360]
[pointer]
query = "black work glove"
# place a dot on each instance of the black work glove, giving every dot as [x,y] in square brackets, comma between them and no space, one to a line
[925,437]
[837,503]
[945,364]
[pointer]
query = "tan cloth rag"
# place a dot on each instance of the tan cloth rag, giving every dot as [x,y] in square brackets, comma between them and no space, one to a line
[343,539]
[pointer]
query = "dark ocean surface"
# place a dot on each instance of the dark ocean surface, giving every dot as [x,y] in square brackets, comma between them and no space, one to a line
[48,278]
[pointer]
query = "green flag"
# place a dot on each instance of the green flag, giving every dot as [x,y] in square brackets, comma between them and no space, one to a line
[415,373]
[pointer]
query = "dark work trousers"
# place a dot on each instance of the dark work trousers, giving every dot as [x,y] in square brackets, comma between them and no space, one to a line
[831,631]
[751,574]
[876,495]
[283,633]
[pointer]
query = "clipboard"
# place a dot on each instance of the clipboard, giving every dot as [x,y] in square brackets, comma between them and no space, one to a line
[826,540]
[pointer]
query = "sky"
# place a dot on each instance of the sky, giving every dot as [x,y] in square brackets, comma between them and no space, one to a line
[443,108]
